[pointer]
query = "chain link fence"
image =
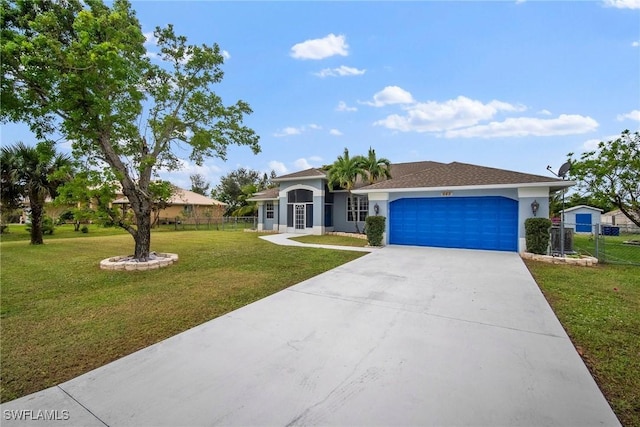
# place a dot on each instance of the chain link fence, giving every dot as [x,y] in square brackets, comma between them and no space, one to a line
[610,244]
[225,223]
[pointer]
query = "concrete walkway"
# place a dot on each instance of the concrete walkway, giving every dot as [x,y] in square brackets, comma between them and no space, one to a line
[285,240]
[404,336]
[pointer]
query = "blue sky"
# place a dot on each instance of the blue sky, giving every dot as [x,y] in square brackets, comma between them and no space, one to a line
[514,85]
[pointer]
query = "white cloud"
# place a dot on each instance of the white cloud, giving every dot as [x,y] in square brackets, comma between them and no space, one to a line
[433,116]
[592,144]
[631,115]
[342,106]
[544,112]
[302,164]
[180,177]
[565,124]
[391,95]
[225,54]
[278,167]
[635,43]
[150,39]
[290,130]
[335,132]
[341,71]
[622,4]
[321,48]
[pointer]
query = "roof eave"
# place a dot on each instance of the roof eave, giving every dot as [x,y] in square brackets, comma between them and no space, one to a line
[553,185]
[298,178]
[262,199]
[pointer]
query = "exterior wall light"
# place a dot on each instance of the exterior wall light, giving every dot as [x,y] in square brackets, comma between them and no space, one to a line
[376,209]
[534,207]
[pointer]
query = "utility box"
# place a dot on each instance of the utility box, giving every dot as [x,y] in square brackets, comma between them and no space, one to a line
[555,240]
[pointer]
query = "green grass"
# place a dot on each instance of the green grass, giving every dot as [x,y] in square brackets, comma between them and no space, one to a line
[329,239]
[600,309]
[17,232]
[62,316]
[615,251]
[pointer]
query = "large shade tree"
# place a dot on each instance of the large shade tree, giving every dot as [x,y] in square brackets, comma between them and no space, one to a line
[80,69]
[611,174]
[33,174]
[233,188]
[344,173]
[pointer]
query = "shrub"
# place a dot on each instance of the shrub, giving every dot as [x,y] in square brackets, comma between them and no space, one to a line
[64,217]
[47,226]
[537,234]
[375,228]
[85,229]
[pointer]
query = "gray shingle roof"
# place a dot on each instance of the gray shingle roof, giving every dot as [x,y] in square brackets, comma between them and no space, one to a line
[307,173]
[268,194]
[429,174]
[456,175]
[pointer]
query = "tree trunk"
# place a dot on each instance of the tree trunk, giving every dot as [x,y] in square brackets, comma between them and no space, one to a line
[143,237]
[353,211]
[36,220]
[142,210]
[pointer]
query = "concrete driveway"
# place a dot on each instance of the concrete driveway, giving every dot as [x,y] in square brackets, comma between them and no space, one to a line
[401,336]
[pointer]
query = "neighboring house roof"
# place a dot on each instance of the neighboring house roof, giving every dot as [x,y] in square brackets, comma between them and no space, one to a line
[457,174]
[183,197]
[268,194]
[583,207]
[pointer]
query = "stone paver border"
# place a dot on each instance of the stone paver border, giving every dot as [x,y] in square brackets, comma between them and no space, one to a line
[125,262]
[583,261]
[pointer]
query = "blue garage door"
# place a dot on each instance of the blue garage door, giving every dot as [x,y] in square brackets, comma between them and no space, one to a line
[455,222]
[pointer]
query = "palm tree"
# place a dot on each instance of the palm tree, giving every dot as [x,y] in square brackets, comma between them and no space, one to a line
[33,172]
[10,191]
[344,173]
[376,168]
[247,208]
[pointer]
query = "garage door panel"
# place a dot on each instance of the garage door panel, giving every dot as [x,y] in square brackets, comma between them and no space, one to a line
[461,222]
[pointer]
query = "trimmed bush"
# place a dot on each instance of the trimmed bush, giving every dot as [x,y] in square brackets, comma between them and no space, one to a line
[537,235]
[85,229]
[375,228]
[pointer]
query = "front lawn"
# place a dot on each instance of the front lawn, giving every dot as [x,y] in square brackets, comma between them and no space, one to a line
[330,239]
[600,309]
[62,316]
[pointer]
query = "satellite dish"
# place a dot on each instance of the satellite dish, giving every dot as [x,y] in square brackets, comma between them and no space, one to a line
[564,169]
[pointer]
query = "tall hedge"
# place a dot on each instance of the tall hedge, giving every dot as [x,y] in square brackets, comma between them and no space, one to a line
[375,228]
[537,235]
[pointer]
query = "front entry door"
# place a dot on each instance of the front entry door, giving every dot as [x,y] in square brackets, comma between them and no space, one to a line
[299,218]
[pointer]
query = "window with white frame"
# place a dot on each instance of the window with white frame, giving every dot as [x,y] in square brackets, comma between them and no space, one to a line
[361,208]
[269,210]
